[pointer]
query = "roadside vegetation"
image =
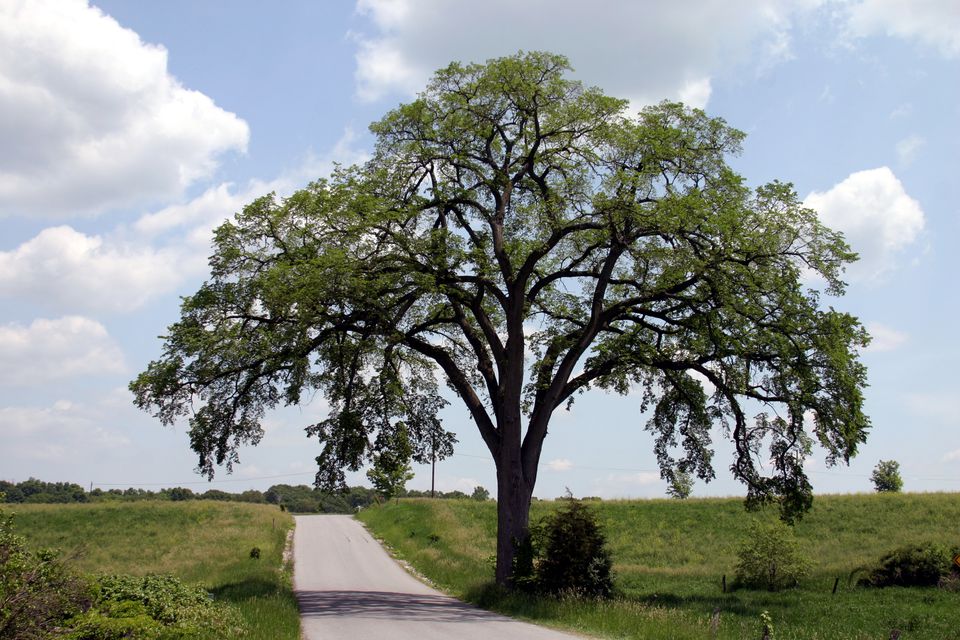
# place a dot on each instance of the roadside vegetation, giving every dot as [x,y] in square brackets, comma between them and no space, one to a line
[203,544]
[672,557]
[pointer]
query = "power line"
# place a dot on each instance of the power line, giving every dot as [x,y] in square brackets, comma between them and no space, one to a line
[200,482]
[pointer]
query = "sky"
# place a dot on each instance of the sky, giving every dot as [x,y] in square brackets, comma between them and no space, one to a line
[130,130]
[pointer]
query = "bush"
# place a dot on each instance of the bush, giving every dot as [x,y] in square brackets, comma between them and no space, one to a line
[41,599]
[771,558]
[36,591]
[154,607]
[922,565]
[573,559]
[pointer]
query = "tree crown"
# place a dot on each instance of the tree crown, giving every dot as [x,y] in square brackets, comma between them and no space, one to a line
[528,239]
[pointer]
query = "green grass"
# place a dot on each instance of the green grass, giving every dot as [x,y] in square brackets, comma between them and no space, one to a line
[670,557]
[205,543]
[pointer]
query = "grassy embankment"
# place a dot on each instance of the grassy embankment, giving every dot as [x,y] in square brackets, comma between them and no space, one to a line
[205,543]
[670,556]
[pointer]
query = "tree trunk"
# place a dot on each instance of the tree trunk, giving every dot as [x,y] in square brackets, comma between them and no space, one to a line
[513,514]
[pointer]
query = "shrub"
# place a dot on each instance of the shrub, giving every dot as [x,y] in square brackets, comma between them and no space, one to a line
[574,558]
[886,477]
[36,591]
[153,607]
[922,565]
[771,558]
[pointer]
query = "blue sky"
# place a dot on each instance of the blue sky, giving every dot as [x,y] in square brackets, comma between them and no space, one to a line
[130,130]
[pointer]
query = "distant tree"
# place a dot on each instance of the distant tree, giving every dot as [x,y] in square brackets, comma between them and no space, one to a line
[480,493]
[529,238]
[40,492]
[680,486]
[251,495]
[11,491]
[391,466]
[886,477]
[216,494]
[179,494]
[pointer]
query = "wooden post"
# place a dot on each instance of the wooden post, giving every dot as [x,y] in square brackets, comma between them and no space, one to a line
[836,583]
[433,473]
[723,583]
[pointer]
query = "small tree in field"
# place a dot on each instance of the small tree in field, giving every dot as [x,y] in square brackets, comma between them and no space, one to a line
[480,494]
[530,239]
[574,558]
[680,486]
[771,558]
[886,477]
[391,466]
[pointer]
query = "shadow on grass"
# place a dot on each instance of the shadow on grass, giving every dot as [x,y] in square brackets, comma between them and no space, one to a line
[237,592]
[496,598]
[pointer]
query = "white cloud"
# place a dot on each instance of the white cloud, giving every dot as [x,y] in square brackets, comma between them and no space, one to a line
[202,214]
[935,23]
[62,268]
[680,47]
[901,111]
[908,148]
[625,485]
[953,456]
[67,270]
[90,118]
[457,483]
[877,216]
[938,406]
[560,464]
[47,350]
[885,338]
[59,433]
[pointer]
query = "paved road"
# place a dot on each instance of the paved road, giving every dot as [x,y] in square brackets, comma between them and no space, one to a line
[349,588]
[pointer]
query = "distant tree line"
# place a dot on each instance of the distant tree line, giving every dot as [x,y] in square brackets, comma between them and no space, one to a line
[295,498]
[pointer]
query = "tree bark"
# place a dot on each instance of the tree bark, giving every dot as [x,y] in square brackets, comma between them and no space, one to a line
[513,514]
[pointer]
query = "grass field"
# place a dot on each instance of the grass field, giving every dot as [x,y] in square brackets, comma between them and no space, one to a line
[670,557]
[206,543]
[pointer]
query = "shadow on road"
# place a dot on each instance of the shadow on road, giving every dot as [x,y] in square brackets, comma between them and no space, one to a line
[388,606]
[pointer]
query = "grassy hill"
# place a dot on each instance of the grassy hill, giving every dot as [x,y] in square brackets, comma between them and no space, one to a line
[670,557]
[205,543]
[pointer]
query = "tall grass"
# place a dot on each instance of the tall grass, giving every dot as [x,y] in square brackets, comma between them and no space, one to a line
[670,558]
[205,543]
